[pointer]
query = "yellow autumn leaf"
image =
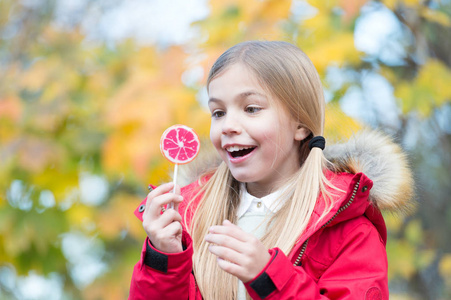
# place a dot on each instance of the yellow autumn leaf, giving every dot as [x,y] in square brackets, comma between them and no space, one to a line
[324,5]
[200,122]
[251,8]
[339,126]
[436,76]
[99,84]
[158,171]
[114,159]
[414,232]
[412,3]
[217,7]
[424,258]
[234,21]
[401,256]
[52,91]
[403,92]
[393,222]
[141,154]
[445,267]
[391,4]
[172,64]
[129,153]
[18,227]
[434,15]
[118,216]
[7,234]
[146,59]
[219,31]
[430,89]
[339,50]
[80,215]
[274,10]
[35,154]
[11,111]
[318,29]
[187,110]
[389,74]
[36,77]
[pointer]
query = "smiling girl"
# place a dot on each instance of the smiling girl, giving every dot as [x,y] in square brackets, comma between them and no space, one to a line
[276,219]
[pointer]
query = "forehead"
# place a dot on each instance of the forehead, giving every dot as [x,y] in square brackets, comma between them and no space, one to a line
[237,80]
[236,75]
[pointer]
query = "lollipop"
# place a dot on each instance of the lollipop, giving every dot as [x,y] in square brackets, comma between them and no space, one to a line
[180,145]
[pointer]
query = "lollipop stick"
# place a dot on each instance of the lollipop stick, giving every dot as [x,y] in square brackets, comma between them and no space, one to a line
[175,176]
[171,205]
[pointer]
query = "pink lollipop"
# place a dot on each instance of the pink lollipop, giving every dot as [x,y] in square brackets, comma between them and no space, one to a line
[180,145]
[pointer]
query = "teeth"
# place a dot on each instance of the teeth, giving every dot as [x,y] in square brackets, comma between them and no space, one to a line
[236,148]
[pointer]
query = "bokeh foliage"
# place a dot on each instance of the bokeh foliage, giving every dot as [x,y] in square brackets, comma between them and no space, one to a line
[73,111]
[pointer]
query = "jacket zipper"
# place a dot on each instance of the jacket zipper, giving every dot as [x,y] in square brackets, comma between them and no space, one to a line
[304,246]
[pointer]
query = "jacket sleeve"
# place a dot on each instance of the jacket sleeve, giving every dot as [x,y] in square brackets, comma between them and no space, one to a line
[160,275]
[358,271]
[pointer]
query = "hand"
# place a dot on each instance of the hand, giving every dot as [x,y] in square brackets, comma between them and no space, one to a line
[239,253]
[164,230]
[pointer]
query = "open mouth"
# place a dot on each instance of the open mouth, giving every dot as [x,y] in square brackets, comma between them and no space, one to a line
[236,151]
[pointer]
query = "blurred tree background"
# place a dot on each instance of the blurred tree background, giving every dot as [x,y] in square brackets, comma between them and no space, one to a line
[82,111]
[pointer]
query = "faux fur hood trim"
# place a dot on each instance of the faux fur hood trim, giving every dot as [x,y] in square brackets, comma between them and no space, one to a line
[383,161]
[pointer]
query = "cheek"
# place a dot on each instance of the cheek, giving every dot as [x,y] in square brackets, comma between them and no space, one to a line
[215,136]
[278,136]
[268,132]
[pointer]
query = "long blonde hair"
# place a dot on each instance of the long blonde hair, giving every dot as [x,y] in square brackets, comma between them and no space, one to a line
[290,77]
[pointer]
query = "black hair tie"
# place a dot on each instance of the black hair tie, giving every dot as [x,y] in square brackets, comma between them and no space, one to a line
[317,141]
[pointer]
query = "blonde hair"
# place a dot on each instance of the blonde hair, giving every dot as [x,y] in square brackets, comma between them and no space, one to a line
[290,77]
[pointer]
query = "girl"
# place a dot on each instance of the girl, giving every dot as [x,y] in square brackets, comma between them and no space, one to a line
[275,220]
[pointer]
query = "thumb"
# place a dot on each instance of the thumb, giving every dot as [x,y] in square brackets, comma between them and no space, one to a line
[228,223]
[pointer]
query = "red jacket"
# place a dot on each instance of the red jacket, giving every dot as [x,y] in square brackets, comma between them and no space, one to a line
[342,258]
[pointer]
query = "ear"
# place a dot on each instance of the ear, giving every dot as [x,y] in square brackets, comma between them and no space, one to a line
[301,133]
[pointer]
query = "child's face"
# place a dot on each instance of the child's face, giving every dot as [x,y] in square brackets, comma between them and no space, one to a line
[258,141]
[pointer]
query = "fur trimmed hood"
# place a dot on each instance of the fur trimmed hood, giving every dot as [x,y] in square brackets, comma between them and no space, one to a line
[383,161]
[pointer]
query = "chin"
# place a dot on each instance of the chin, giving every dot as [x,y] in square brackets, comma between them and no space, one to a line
[242,177]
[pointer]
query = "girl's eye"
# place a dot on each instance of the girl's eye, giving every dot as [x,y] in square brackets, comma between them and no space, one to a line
[253,109]
[217,114]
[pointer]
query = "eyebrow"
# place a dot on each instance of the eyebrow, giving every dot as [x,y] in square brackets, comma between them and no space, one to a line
[242,95]
[213,100]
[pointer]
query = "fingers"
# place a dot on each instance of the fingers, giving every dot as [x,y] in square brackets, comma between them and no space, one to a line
[154,222]
[229,236]
[155,226]
[228,254]
[168,217]
[231,230]
[231,267]
[238,253]
[228,251]
[162,234]
[173,228]
[226,241]
[159,197]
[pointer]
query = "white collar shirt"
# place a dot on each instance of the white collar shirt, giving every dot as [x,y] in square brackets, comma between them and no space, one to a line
[267,204]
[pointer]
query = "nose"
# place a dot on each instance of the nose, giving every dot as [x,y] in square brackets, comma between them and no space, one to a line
[231,125]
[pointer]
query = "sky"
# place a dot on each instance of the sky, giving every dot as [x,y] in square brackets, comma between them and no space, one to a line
[160,22]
